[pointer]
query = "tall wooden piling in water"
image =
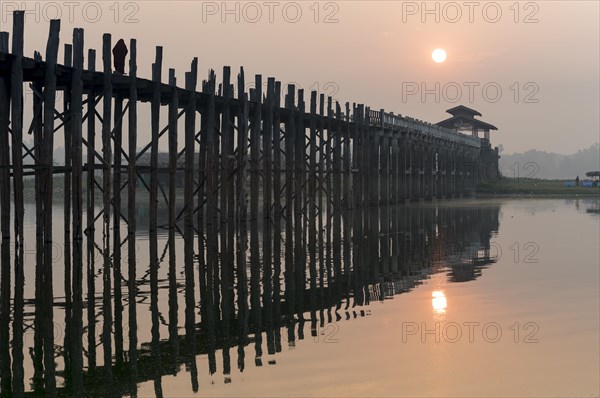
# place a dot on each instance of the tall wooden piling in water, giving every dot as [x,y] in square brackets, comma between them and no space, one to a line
[16,95]
[77,203]
[5,268]
[132,180]
[47,194]
[5,272]
[106,174]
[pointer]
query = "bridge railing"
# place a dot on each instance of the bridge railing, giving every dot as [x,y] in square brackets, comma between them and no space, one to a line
[433,130]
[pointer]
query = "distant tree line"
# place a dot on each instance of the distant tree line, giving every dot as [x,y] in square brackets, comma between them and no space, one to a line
[548,165]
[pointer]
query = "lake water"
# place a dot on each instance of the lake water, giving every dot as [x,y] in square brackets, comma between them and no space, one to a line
[460,298]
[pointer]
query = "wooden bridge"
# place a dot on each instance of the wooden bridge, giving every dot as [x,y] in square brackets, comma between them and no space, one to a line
[310,171]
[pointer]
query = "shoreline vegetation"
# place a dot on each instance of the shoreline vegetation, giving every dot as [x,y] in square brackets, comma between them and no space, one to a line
[535,187]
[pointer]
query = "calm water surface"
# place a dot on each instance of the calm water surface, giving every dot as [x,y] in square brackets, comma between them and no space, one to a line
[468,298]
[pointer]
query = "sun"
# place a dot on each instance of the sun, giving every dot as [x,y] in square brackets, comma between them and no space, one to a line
[438,55]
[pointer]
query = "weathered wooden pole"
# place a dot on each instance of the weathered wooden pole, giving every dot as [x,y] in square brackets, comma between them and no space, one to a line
[362,120]
[289,195]
[155,120]
[5,272]
[67,127]
[106,157]
[346,198]
[155,105]
[190,144]
[47,194]
[373,143]
[5,304]
[255,135]
[38,351]
[77,202]
[172,131]
[277,210]
[16,123]
[216,214]
[90,242]
[172,166]
[231,198]
[267,193]
[202,208]
[300,163]
[131,206]
[227,306]
[241,226]
[172,128]
[394,198]
[116,202]
[312,203]
[211,206]
[322,195]
[337,200]
[356,198]
[16,95]
[226,188]
[384,199]
[89,230]
[394,169]
[5,148]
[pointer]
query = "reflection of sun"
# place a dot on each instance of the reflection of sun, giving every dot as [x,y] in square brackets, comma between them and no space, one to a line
[439,302]
[438,55]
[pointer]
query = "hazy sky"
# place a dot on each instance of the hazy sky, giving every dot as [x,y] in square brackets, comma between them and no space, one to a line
[543,56]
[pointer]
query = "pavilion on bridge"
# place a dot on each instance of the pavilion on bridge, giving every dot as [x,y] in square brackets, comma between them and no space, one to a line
[463,119]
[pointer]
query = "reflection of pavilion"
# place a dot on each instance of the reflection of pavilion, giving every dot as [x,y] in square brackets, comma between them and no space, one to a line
[463,119]
[469,268]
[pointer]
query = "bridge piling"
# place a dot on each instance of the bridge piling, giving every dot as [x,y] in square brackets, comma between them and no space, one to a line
[77,203]
[67,120]
[5,271]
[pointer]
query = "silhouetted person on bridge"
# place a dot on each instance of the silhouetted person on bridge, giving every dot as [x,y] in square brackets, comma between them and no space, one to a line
[119,53]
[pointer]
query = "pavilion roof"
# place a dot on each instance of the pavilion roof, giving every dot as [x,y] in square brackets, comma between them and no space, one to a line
[458,120]
[463,110]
